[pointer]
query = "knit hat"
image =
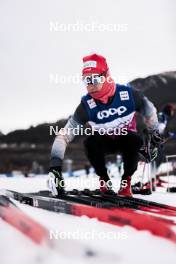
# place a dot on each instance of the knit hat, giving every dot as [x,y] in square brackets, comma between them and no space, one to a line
[94,64]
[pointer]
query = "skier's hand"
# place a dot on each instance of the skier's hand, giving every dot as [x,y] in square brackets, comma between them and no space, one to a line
[153,136]
[157,138]
[54,181]
[151,141]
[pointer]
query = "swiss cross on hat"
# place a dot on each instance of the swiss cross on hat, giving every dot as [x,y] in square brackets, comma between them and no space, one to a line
[94,64]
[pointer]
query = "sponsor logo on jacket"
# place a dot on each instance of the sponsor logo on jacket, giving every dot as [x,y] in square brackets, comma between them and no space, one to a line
[111,111]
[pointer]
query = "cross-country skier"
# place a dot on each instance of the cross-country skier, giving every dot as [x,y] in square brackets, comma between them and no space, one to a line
[108,108]
[164,117]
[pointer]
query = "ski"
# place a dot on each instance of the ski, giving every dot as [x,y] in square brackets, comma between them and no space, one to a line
[115,203]
[113,200]
[95,198]
[131,202]
[11,214]
[143,205]
[111,214]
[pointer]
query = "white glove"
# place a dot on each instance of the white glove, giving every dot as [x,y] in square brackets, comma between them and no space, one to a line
[51,184]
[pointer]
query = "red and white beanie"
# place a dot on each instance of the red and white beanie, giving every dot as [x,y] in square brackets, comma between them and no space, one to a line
[94,64]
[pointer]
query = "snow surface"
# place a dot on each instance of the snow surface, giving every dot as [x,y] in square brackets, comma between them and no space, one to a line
[80,239]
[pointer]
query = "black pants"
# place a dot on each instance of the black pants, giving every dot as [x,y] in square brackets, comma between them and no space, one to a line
[98,146]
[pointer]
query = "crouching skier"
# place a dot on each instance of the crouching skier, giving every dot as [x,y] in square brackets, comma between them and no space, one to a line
[164,117]
[107,107]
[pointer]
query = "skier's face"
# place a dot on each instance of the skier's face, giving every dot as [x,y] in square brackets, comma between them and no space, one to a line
[93,82]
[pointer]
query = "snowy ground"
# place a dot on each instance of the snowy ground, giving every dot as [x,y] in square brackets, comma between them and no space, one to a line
[77,235]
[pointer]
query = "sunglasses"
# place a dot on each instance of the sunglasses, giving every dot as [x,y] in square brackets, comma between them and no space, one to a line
[94,79]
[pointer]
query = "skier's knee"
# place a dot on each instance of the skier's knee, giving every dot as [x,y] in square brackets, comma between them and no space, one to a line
[89,143]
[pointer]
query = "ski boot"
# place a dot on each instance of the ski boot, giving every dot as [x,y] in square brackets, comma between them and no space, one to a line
[105,186]
[136,188]
[146,188]
[125,190]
